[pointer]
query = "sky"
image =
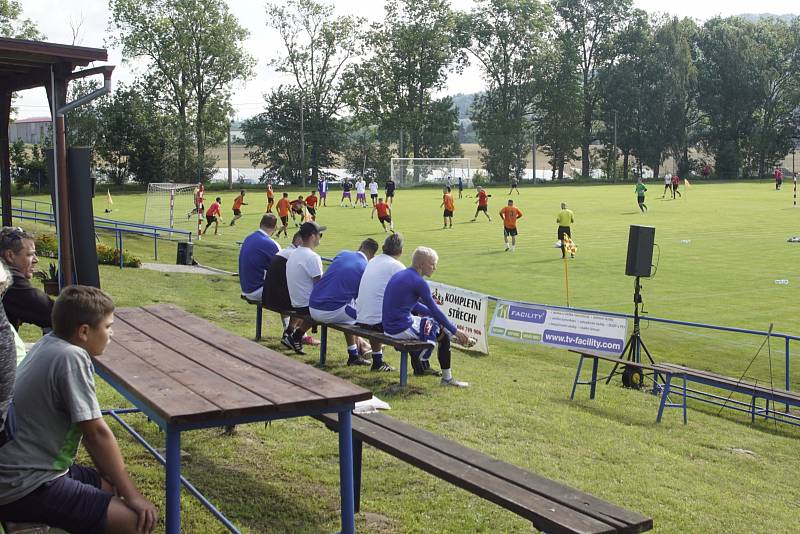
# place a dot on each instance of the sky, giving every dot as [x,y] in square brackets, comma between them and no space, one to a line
[56,19]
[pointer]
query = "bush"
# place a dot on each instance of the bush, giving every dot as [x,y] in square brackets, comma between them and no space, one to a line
[110,256]
[47,246]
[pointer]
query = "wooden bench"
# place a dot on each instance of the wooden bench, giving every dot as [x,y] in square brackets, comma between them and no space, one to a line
[665,372]
[404,347]
[550,506]
[770,395]
[595,357]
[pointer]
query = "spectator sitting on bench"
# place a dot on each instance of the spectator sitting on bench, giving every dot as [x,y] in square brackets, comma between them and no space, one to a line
[408,293]
[23,302]
[332,299]
[258,250]
[8,365]
[56,406]
[369,304]
[303,270]
[275,296]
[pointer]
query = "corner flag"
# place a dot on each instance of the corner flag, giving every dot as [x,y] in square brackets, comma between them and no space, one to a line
[108,197]
[686,182]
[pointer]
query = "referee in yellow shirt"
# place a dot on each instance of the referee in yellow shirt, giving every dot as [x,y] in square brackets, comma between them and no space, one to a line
[565,218]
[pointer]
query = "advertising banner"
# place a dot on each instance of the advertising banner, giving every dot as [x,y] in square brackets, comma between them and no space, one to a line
[465,309]
[527,323]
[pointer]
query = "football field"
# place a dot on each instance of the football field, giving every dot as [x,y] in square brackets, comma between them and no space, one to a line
[721,248]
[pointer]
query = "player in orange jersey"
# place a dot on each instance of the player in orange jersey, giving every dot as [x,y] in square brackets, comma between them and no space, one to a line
[510,214]
[384,214]
[283,212]
[311,205]
[238,202]
[449,206]
[483,204]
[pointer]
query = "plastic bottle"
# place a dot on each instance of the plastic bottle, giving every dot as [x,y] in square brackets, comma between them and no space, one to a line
[686,241]
[782,282]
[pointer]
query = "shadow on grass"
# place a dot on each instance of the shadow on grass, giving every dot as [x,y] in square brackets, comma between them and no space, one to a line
[616,414]
[237,491]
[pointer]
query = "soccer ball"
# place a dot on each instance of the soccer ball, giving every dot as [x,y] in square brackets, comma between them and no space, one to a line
[558,244]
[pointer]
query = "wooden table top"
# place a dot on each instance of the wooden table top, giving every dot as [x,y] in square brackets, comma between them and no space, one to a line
[188,370]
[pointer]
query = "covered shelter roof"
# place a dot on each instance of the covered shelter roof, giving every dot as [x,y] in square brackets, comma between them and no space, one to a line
[28,64]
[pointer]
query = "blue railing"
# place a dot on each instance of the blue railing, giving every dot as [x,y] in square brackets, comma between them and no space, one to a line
[119,228]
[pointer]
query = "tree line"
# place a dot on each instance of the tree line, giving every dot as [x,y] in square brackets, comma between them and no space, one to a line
[597,80]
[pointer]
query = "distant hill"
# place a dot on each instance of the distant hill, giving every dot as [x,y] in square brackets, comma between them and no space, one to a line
[754,17]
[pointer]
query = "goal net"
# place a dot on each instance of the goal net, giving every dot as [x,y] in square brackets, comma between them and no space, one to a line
[411,172]
[169,205]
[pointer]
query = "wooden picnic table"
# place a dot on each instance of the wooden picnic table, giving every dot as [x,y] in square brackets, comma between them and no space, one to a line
[185,373]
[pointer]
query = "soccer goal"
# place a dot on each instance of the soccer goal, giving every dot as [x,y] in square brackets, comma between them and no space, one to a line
[169,205]
[411,172]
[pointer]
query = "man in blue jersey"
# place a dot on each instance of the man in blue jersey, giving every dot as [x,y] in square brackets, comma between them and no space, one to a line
[255,256]
[409,312]
[332,299]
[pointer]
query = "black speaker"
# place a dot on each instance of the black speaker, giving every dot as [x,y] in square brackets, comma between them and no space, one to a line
[185,256]
[79,191]
[640,250]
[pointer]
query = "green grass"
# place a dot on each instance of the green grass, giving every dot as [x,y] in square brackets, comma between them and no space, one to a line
[284,477]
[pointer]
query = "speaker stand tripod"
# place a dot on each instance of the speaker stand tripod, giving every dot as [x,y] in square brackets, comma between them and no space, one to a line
[632,351]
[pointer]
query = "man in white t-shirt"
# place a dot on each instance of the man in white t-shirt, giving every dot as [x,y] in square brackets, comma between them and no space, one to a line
[369,304]
[373,191]
[361,193]
[303,269]
[667,184]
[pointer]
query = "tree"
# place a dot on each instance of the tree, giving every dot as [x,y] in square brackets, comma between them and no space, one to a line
[273,138]
[732,84]
[12,26]
[194,50]
[410,55]
[507,42]
[558,118]
[319,46]
[366,154]
[591,27]
[777,117]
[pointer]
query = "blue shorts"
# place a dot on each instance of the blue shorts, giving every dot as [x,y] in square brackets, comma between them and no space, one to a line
[73,502]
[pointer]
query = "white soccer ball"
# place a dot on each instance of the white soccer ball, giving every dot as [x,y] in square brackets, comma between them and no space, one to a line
[558,244]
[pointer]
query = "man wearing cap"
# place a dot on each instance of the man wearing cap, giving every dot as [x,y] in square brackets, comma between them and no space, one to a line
[303,270]
[332,299]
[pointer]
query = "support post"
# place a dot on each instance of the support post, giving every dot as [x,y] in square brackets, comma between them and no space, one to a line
[5,155]
[64,226]
[173,482]
[346,472]
[230,166]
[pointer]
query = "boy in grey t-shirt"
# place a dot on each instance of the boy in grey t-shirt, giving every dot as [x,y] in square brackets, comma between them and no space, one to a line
[56,407]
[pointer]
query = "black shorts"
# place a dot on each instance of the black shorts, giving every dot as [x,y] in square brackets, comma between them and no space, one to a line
[285,220]
[483,208]
[210,219]
[270,200]
[640,199]
[509,231]
[297,212]
[73,502]
[448,213]
[674,187]
[562,231]
[312,211]
[389,194]
[386,219]
[237,212]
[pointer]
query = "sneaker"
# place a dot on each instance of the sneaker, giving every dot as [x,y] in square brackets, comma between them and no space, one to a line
[286,341]
[298,346]
[358,360]
[308,340]
[454,383]
[382,368]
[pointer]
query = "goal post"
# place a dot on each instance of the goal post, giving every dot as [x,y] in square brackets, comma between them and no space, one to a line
[169,205]
[412,172]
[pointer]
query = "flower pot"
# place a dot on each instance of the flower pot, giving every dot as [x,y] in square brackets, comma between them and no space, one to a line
[51,287]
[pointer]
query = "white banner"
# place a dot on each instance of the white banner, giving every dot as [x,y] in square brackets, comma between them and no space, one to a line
[465,309]
[526,323]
